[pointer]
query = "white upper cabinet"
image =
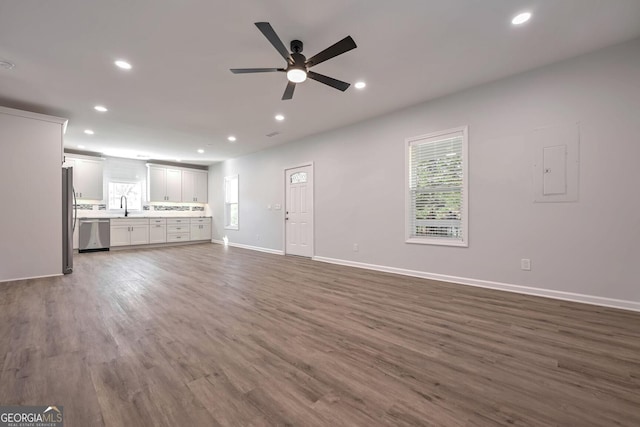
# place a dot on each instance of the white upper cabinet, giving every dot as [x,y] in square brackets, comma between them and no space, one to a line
[202,188]
[164,184]
[194,186]
[157,184]
[174,185]
[87,178]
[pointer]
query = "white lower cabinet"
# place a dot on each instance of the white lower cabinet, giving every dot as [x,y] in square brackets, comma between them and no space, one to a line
[140,234]
[157,230]
[178,230]
[128,231]
[143,231]
[120,235]
[200,229]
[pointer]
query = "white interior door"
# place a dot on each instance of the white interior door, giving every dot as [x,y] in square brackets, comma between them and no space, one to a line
[299,211]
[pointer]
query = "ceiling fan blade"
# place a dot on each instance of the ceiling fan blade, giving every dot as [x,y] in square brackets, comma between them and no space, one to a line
[329,81]
[344,45]
[288,92]
[273,38]
[254,70]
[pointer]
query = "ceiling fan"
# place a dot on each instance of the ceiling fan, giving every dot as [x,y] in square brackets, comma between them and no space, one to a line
[297,64]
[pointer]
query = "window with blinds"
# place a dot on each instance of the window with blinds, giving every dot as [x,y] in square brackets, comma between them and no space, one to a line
[231,206]
[437,190]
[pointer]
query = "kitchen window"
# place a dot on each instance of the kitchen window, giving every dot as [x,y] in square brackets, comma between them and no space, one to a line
[437,188]
[131,190]
[231,206]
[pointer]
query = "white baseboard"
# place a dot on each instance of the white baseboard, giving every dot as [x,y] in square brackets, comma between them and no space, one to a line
[253,248]
[29,278]
[566,296]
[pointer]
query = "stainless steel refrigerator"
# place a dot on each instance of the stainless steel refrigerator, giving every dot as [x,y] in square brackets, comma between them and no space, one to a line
[68,219]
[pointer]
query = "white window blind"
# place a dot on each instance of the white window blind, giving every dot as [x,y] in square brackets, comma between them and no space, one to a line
[231,205]
[437,188]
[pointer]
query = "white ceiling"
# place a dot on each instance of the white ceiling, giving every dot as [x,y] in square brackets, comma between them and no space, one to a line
[181,96]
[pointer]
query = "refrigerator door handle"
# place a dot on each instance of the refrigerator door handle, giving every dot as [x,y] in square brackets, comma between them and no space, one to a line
[75,209]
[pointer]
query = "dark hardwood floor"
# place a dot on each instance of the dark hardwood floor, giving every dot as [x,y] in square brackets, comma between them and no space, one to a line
[204,335]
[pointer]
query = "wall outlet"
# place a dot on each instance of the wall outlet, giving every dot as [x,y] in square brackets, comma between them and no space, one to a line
[525,264]
[257,237]
[356,248]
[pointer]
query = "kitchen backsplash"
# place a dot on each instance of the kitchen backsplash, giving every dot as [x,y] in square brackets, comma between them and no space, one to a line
[100,209]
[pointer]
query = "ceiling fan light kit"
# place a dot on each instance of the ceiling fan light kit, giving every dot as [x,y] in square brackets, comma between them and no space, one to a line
[298,65]
[296,75]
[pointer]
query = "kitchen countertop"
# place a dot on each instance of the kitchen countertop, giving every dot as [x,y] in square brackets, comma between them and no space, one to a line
[140,217]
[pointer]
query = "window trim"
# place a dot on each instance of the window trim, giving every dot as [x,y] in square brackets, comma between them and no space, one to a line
[464,242]
[227,220]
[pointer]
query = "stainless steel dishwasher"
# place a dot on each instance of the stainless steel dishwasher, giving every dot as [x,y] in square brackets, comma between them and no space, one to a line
[94,235]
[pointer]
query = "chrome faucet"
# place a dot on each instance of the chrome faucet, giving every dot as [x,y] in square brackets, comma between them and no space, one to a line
[126,212]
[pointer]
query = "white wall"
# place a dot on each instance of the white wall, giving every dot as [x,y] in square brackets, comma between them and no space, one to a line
[589,247]
[30,194]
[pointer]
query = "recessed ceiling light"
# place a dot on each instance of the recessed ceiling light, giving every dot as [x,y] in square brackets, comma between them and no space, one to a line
[279,117]
[232,138]
[200,150]
[122,64]
[521,18]
[101,108]
[80,146]
[360,85]
[6,64]
[89,132]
